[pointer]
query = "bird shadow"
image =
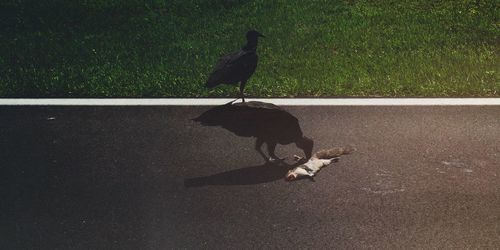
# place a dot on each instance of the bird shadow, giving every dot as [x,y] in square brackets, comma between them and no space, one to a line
[252,175]
[266,122]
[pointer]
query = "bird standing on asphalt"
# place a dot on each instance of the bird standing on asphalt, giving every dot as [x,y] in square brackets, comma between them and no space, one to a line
[238,66]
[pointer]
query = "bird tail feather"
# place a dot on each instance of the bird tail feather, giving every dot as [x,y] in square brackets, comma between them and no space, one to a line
[210,84]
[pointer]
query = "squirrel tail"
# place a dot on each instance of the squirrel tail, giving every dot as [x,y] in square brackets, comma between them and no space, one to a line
[333,152]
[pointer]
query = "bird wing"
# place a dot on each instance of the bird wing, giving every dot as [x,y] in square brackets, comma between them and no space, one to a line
[233,67]
[228,60]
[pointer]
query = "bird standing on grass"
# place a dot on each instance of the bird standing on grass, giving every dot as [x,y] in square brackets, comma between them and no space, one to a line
[238,66]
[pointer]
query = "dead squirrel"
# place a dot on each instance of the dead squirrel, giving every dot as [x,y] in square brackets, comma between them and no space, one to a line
[316,162]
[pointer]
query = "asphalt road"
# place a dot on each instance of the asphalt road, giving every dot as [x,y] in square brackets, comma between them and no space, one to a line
[150,178]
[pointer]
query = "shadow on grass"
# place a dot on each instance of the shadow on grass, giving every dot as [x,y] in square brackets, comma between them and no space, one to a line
[243,176]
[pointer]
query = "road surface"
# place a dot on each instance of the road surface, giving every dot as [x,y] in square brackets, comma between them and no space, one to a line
[151,178]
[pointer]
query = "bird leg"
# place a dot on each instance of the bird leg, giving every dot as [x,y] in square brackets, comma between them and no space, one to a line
[242,86]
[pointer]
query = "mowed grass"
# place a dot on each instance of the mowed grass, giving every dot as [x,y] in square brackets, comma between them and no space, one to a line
[132,48]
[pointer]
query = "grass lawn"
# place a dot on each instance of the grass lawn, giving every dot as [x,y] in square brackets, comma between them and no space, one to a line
[153,48]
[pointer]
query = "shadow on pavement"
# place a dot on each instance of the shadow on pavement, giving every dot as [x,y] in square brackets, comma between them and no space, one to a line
[244,176]
[266,122]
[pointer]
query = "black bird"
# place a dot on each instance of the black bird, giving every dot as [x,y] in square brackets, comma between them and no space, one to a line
[238,66]
[267,122]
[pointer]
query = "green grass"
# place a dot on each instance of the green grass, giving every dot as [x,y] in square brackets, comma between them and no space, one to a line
[132,48]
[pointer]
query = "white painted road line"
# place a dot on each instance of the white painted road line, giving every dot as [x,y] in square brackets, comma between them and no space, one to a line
[277,101]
